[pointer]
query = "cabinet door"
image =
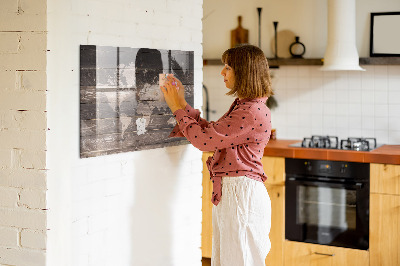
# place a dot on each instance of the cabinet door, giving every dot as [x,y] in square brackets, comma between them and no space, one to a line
[304,254]
[206,226]
[274,168]
[384,230]
[277,233]
[385,178]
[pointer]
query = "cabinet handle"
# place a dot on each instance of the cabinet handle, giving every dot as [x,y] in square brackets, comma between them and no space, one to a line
[324,254]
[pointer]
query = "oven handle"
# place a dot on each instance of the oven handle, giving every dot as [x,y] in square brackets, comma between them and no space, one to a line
[357,185]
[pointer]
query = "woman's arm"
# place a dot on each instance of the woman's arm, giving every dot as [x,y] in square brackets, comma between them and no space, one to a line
[238,128]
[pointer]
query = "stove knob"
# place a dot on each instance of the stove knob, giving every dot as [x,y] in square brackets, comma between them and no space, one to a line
[343,168]
[308,166]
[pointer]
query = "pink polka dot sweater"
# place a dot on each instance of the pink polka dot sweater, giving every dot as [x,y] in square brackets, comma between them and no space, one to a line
[238,139]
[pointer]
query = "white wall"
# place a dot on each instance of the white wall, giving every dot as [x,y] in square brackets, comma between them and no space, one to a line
[23,133]
[306,19]
[137,208]
[311,102]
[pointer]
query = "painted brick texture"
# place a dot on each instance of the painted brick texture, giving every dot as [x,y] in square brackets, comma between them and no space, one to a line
[23,218]
[136,208]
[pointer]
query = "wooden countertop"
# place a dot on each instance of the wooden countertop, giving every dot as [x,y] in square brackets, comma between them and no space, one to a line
[389,154]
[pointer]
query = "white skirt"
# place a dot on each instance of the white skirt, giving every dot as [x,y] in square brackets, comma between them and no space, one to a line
[241,223]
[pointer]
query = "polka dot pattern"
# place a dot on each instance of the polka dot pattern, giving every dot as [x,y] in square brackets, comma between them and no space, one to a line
[238,139]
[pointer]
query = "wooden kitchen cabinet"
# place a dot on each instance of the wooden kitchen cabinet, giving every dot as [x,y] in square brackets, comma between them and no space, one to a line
[206,225]
[384,236]
[385,215]
[385,178]
[274,168]
[277,233]
[305,254]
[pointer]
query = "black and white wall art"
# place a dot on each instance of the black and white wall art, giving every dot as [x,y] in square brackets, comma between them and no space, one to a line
[121,106]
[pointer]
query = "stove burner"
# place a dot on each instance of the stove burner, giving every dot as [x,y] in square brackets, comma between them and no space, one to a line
[358,144]
[332,142]
[328,142]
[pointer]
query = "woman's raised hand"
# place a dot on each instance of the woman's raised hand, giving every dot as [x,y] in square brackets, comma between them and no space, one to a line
[174,93]
[181,90]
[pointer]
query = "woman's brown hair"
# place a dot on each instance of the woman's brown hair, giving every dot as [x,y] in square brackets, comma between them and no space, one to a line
[250,66]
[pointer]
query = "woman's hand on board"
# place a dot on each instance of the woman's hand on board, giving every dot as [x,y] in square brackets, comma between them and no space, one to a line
[181,91]
[174,94]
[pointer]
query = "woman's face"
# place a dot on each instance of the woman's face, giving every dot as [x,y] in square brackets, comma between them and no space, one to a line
[229,76]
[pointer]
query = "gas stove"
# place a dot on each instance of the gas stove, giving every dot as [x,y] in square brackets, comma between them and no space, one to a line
[332,142]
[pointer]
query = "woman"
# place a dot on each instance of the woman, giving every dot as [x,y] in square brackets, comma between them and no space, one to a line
[242,211]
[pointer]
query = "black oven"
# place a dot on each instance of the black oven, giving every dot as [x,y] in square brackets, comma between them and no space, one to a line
[327,202]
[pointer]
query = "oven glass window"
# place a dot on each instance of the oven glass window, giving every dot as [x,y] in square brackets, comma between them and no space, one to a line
[326,207]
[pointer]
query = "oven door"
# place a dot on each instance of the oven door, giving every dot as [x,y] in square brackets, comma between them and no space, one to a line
[327,213]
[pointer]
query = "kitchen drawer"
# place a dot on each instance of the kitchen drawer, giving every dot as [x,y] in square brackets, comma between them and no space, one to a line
[305,254]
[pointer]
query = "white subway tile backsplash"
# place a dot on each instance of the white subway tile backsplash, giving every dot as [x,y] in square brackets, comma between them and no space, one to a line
[342,109]
[292,82]
[367,96]
[354,122]
[342,96]
[394,97]
[316,83]
[381,97]
[367,133]
[381,84]
[394,110]
[354,80]
[342,81]
[304,108]
[381,110]
[329,109]
[329,93]
[394,123]
[355,96]
[342,122]
[394,71]
[328,74]
[394,82]
[394,137]
[316,72]
[304,82]
[381,136]
[368,123]
[304,72]
[381,123]
[367,110]
[380,71]
[329,123]
[347,103]
[291,71]
[355,132]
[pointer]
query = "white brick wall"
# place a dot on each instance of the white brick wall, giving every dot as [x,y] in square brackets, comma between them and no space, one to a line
[138,208]
[22,132]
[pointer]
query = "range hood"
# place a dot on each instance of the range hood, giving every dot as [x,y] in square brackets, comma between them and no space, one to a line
[341,51]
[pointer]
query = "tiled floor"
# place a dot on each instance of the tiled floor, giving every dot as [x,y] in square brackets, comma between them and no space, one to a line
[206,261]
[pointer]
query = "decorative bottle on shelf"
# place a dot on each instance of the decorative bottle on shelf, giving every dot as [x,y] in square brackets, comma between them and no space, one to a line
[297,49]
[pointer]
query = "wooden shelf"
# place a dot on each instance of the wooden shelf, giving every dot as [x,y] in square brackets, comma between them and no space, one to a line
[380,61]
[274,63]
